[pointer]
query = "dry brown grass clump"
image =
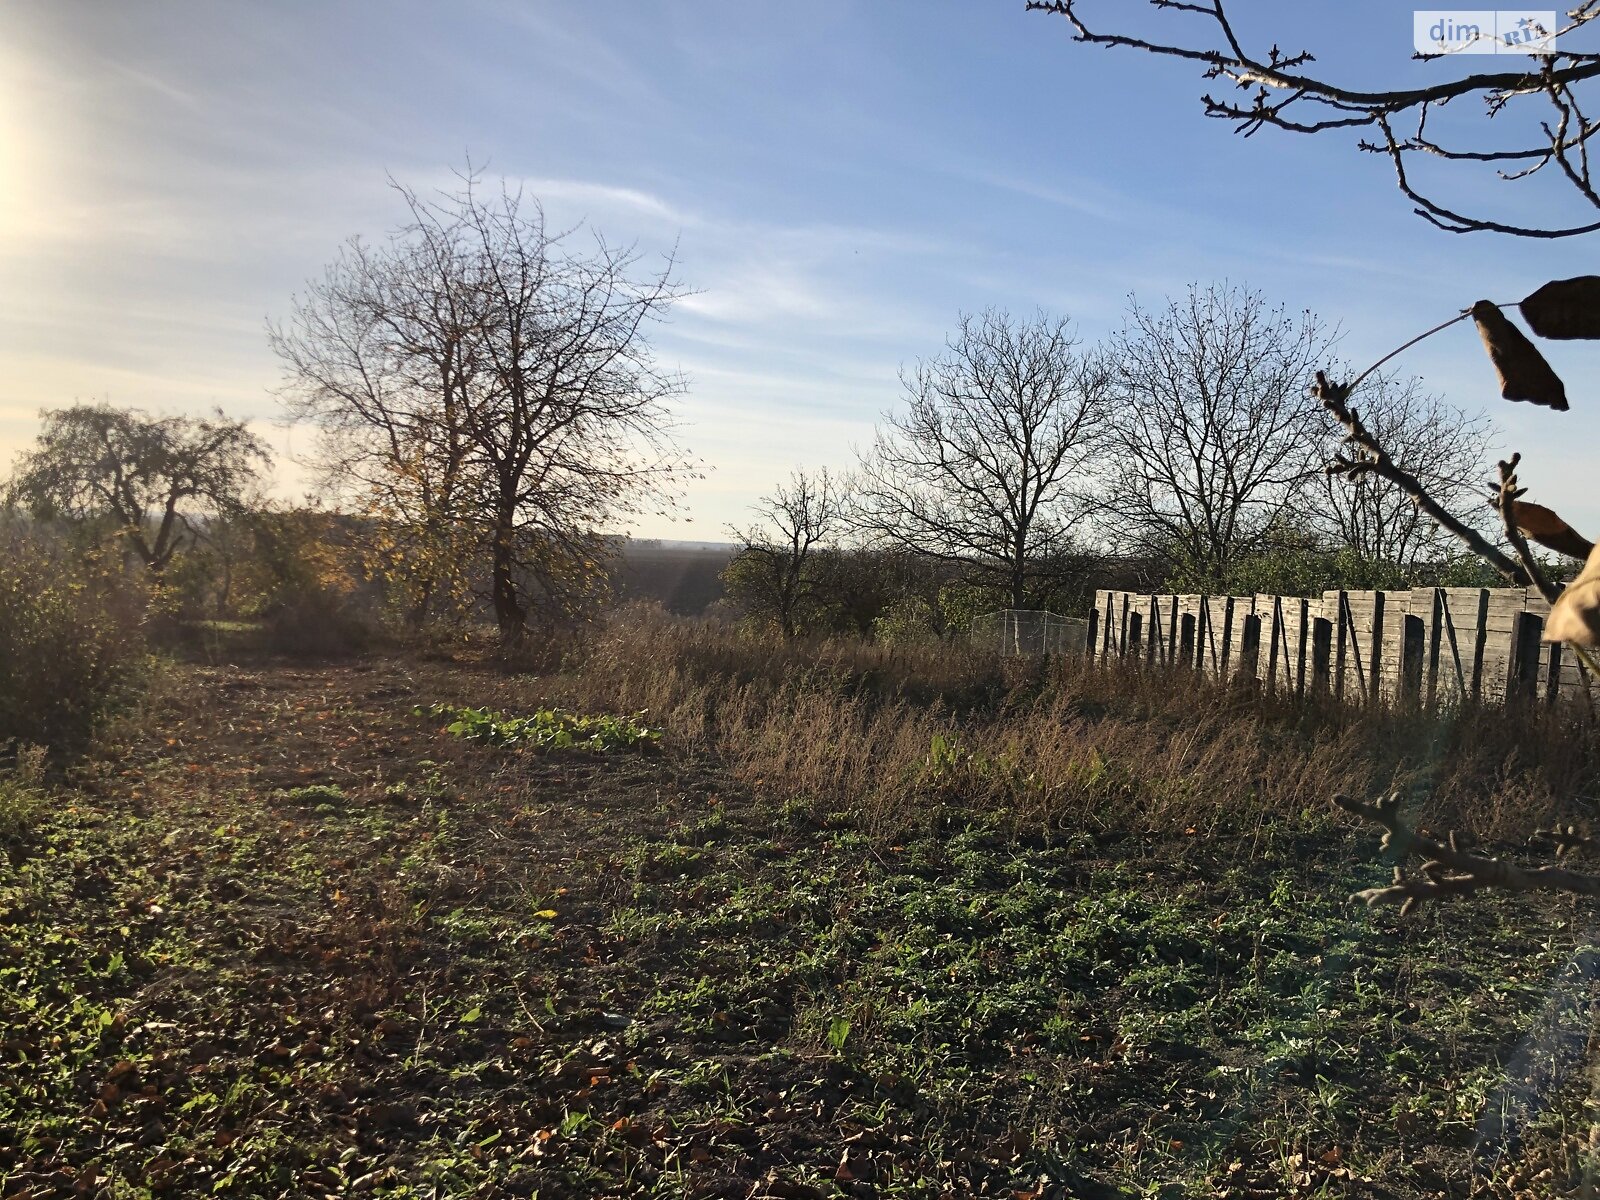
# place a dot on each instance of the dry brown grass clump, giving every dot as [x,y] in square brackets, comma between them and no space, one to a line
[939,734]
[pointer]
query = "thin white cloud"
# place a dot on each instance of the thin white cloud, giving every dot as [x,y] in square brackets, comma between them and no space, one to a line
[607,198]
[561,47]
[153,83]
[1089,199]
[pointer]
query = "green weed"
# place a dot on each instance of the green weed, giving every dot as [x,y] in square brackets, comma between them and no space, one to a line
[547,729]
[24,801]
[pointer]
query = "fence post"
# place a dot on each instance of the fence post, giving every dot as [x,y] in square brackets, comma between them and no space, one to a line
[1186,639]
[1250,646]
[1321,653]
[1375,658]
[1225,659]
[1552,684]
[1343,635]
[1091,631]
[1527,630]
[1413,650]
[1275,624]
[1130,648]
[1435,636]
[1480,639]
[1301,608]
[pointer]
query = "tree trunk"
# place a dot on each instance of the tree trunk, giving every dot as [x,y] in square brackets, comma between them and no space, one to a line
[225,591]
[508,610]
[418,615]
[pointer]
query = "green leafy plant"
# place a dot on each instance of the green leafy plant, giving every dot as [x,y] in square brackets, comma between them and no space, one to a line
[547,729]
[315,793]
[23,798]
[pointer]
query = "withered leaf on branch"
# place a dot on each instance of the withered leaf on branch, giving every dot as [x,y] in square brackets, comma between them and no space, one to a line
[1548,529]
[1524,374]
[1565,308]
[1575,616]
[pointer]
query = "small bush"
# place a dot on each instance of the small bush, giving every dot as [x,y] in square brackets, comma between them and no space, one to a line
[72,642]
[311,794]
[306,586]
[315,624]
[23,800]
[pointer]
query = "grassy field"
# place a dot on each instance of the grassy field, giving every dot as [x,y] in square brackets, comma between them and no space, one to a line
[286,934]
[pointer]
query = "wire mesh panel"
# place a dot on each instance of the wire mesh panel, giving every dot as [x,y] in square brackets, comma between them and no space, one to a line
[1017,631]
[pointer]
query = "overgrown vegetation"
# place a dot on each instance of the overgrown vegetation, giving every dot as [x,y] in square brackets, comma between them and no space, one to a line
[71,638]
[546,729]
[24,798]
[293,938]
[1066,744]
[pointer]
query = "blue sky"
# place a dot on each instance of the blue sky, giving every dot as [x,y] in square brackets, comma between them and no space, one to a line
[841,180]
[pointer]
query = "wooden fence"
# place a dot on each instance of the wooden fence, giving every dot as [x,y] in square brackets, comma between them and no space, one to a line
[1424,645]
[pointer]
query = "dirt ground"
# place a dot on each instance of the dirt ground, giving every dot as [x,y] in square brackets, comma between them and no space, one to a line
[286,936]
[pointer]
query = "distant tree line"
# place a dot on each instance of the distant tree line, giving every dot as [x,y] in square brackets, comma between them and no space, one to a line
[490,413]
[1025,469]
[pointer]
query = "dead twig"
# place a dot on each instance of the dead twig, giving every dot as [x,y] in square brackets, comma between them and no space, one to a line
[1510,491]
[1369,457]
[1449,869]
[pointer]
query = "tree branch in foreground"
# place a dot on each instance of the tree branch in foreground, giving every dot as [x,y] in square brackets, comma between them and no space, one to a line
[1505,500]
[1371,458]
[1274,87]
[1450,870]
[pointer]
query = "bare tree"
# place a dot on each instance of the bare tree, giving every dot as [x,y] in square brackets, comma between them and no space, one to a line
[982,469]
[774,571]
[1538,105]
[383,352]
[500,382]
[1444,448]
[1213,443]
[144,478]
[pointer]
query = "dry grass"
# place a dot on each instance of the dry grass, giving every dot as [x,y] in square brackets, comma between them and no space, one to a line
[285,936]
[909,738]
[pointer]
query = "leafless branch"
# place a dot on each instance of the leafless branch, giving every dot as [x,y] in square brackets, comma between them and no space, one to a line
[1282,94]
[1442,447]
[1449,869]
[1370,456]
[1509,491]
